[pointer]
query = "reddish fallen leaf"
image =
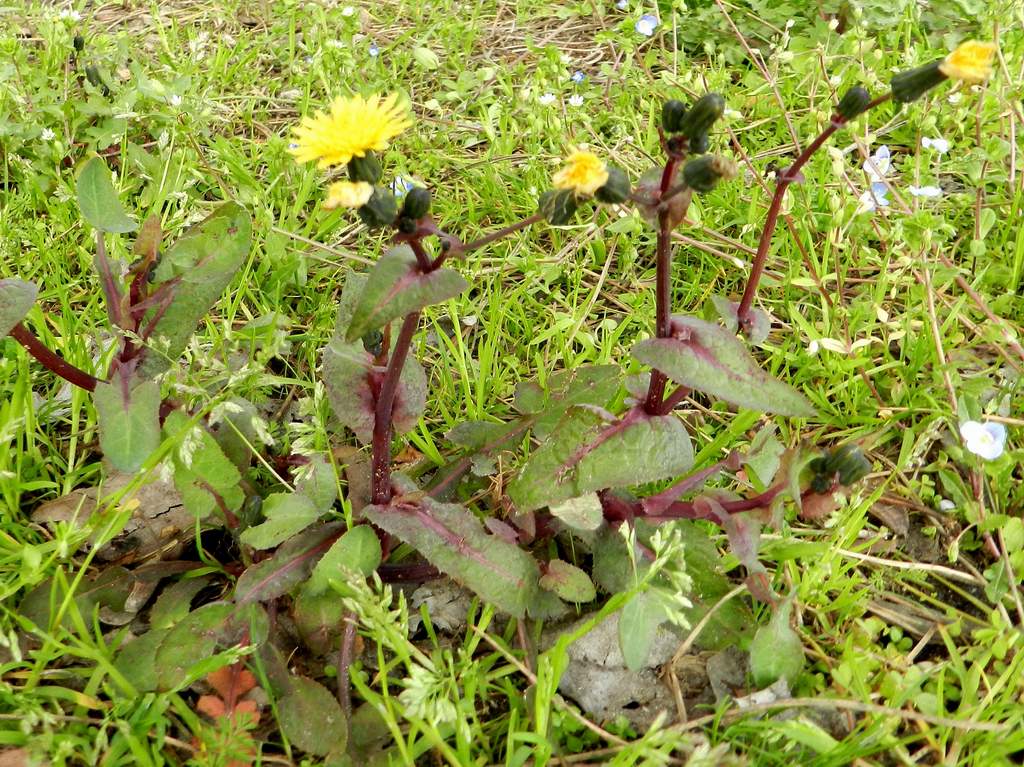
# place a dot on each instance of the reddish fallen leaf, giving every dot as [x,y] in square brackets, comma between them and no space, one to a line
[231,683]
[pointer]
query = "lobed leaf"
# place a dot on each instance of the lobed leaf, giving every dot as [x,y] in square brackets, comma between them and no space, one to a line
[586,454]
[98,200]
[129,421]
[16,300]
[396,287]
[203,261]
[455,542]
[707,357]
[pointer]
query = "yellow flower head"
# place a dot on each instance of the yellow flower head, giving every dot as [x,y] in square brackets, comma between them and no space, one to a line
[348,194]
[583,172]
[970,62]
[354,127]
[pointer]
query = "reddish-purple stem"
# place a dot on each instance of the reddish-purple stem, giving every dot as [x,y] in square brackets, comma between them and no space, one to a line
[503,232]
[662,291]
[655,504]
[381,461]
[425,262]
[787,177]
[51,361]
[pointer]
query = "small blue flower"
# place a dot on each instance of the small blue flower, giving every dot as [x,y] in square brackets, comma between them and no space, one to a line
[373,50]
[293,145]
[874,198]
[401,185]
[985,439]
[622,5]
[647,24]
[578,77]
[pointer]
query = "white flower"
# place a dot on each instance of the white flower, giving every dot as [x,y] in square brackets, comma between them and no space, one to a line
[546,99]
[731,114]
[835,80]
[622,5]
[646,25]
[874,198]
[939,144]
[878,164]
[373,50]
[348,10]
[336,44]
[955,98]
[70,15]
[985,440]
[924,191]
[576,100]
[47,135]
[175,100]
[946,505]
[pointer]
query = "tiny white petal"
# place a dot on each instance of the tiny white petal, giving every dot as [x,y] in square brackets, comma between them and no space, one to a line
[576,100]
[547,99]
[985,440]
[925,191]
[175,100]
[946,505]
[47,135]
[939,144]
[348,10]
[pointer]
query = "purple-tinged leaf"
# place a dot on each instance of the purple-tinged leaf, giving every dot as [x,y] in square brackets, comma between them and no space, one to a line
[290,565]
[776,651]
[585,454]
[568,582]
[587,385]
[190,642]
[98,200]
[455,542]
[582,513]
[202,473]
[396,287]
[501,529]
[204,260]
[174,602]
[16,300]
[708,358]
[760,322]
[129,420]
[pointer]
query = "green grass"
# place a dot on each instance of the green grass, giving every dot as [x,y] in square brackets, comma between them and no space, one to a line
[951,692]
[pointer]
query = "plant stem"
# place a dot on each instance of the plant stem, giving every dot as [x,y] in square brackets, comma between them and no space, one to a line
[425,262]
[787,177]
[381,476]
[52,361]
[503,232]
[662,291]
[674,399]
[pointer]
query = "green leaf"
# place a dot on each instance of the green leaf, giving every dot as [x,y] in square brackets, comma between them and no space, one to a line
[201,468]
[318,483]
[311,718]
[357,551]
[286,514]
[16,300]
[236,433]
[129,422]
[586,454]
[188,643]
[776,651]
[203,260]
[638,623]
[395,287]
[174,602]
[586,385]
[349,372]
[98,200]
[568,582]
[708,358]
[318,619]
[136,660]
[290,565]
[583,513]
[454,541]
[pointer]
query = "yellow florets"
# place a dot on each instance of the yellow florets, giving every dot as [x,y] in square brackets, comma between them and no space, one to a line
[348,194]
[354,127]
[970,62]
[583,172]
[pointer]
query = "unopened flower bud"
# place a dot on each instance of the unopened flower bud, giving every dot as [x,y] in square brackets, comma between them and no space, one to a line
[417,203]
[558,206]
[699,143]
[380,210]
[672,114]
[373,342]
[702,115]
[846,463]
[703,173]
[78,42]
[366,168]
[616,189]
[853,102]
[914,83]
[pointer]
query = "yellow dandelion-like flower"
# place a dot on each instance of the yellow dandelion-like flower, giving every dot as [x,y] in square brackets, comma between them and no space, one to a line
[970,62]
[348,194]
[583,172]
[354,127]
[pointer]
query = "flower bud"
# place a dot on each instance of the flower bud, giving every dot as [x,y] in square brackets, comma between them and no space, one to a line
[616,189]
[78,42]
[703,173]
[699,143]
[380,210]
[558,206]
[672,114]
[417,203]
[366,168]
[847,463]
[702,115]
[373,342]
[914,83]
[853,102]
